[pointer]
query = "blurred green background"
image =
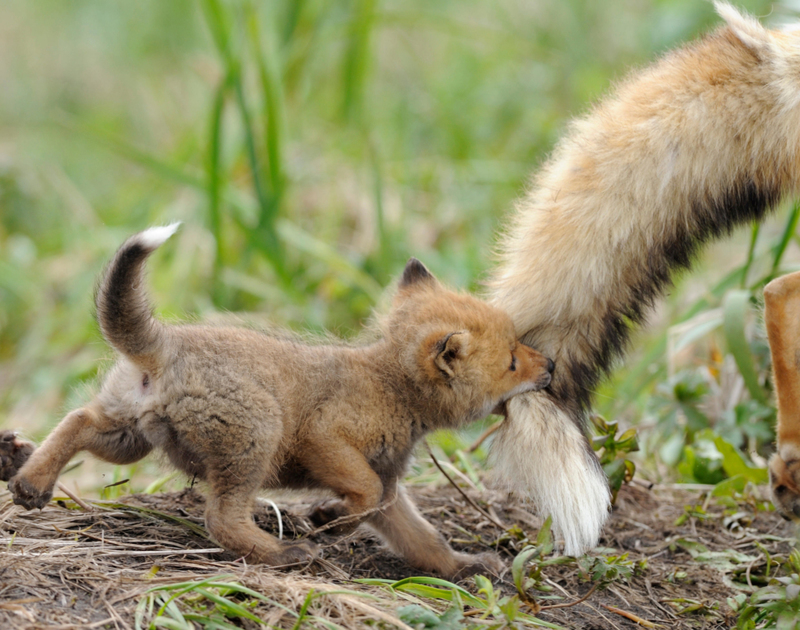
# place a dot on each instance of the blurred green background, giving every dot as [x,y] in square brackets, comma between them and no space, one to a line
[310,147]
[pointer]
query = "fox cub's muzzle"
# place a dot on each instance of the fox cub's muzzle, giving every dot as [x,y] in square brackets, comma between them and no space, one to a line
[534,366]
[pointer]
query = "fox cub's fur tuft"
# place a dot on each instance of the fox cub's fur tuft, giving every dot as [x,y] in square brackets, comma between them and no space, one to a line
[705,139]
[245,411]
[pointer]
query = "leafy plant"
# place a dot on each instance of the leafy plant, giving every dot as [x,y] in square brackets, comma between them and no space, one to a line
[618,468]
[605,569]
[774,606]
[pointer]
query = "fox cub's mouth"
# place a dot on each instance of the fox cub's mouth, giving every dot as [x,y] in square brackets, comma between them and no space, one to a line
[543,381]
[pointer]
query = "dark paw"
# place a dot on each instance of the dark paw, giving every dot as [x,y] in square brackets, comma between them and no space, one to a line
[784,477]
[14,452]
[298,552]
[328,511]
[27,495]
[484,563]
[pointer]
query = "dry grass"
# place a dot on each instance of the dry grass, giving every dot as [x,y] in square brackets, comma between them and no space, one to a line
[65,567]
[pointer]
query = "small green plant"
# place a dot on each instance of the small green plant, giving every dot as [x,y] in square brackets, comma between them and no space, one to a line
[487,605]
[527,568]
[774,606]
[423,618]
[605,569]
[618,468]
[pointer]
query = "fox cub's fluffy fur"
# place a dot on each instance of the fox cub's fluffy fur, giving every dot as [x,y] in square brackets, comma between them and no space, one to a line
[703,140]
[245,411]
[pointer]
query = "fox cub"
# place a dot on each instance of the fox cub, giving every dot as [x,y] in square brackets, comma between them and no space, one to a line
[246,411]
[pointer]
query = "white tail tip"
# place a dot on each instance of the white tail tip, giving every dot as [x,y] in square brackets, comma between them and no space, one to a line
[155,236]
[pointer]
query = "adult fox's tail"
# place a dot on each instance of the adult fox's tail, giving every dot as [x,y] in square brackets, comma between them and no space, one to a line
[123,311]
[704,140]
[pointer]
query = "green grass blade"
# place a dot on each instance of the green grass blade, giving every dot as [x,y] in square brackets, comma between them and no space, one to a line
[436,588]
[214,173]
[788,233]
[734,312]
[215,622]
[231,609]
[385,247]
[356,59]
[165,170]
[300,239]
[272,97]
[750,253]
[518,568]
[264,237]
[301,617]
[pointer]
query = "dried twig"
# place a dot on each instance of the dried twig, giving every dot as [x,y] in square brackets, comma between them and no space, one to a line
[476,444]
[631,616]
[575,603]
[349,518]
[463,494]
[75,498]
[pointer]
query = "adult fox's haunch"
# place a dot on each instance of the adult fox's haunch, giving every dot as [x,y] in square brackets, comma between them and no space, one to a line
[704,140]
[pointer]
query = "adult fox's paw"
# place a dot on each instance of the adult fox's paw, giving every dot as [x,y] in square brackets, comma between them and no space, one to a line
[784,479]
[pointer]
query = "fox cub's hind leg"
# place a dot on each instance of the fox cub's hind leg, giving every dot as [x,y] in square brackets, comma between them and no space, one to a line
[229,518]
[782,319]
[88,429]
[416,540]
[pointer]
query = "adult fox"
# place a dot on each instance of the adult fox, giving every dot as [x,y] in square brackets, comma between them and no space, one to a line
[703,140]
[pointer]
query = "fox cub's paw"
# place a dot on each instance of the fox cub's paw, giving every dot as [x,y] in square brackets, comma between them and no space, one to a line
[14,452]
[27,495]
[328,511]
[486,563]
[784,478]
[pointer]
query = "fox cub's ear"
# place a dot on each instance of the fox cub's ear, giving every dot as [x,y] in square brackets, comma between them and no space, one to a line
[416,273]
[448,351]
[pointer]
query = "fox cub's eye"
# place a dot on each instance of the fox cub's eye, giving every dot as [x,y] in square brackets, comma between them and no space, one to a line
[513,366]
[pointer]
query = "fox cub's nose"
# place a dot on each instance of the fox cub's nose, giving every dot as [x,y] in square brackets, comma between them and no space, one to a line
[550,366]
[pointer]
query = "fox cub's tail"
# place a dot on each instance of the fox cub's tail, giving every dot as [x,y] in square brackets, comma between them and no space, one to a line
[123,310]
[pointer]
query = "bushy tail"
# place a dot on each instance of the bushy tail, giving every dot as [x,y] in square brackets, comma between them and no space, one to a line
[123,310]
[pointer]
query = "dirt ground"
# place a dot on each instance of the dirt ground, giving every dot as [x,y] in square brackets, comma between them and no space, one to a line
[64,567]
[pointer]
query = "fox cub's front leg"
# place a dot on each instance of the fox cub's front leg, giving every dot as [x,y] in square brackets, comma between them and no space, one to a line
[414,538]
[782,319]
[342,468]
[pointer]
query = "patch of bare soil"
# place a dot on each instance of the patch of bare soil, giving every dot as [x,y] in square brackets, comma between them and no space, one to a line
[64,567]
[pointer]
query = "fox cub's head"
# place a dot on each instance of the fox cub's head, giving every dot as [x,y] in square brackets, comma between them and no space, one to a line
[460,349]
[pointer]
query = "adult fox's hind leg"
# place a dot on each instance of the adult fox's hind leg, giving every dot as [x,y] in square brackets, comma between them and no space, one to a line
[782,319]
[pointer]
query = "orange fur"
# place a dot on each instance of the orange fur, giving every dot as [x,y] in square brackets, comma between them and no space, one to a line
[782,319]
